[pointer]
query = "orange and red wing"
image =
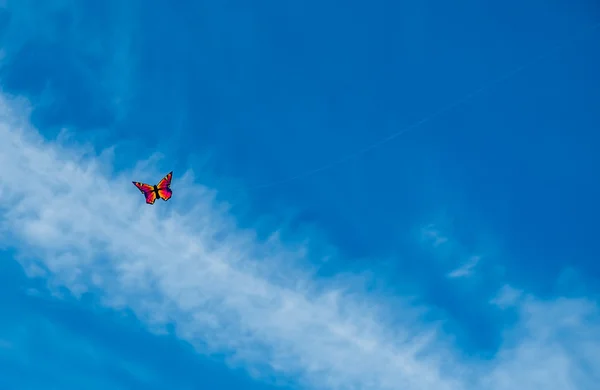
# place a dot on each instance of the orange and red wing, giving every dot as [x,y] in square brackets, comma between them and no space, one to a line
[165,182]
[165,194]
[147,190]
[164,187]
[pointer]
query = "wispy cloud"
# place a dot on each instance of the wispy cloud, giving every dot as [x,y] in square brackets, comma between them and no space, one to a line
[507,296]
[466,269]
[450,251]
[433,236]
[186,262]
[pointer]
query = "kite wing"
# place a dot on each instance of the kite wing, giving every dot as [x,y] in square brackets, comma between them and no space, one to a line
[147,190]
[164,187]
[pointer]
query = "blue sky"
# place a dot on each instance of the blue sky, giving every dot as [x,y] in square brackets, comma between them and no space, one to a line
[460,255]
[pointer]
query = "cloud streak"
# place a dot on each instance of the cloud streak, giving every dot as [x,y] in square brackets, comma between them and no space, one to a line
[466,269]
[187,263]
[432,235]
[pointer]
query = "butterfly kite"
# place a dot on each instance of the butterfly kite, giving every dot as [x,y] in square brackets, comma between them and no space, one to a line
[162,190]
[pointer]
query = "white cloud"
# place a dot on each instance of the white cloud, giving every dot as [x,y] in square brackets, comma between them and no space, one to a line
[507,296]
[433,236]
[466,269]
[451,254]
[186,261]
[555,345]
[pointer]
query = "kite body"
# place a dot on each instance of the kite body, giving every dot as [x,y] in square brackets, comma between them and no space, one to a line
[162,190]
